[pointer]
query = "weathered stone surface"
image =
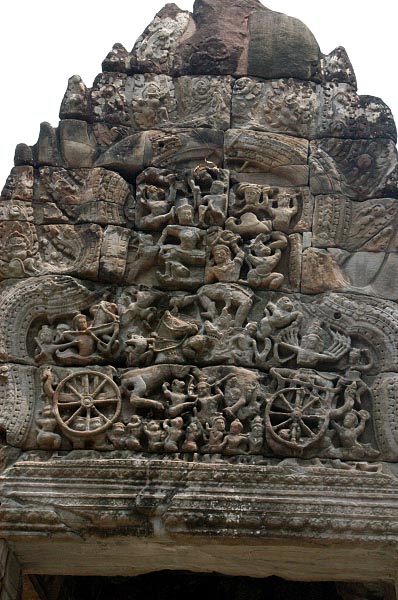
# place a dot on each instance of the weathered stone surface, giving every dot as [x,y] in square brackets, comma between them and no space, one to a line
[198,317]
[108,99]
[186,148]
[117,60]
[267,158]
[204,101]
[77,144]
[46,150]
[75,102]
[343,223]
[153,101]
[359,169]
[10,573]
[337,67]
[372,273]
[269,45]
[16,210]
[127,156]
[216,43]
[23,155]
[281,106]
[304,109]
[154,50]
[82,196]
[281,46]
[28,251]
[19,184]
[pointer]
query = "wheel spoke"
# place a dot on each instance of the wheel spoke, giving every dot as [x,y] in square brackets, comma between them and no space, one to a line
[75,414]
[280,425]
[100,414]
[106,400]
[74,390]
[284,400]
[279,413]
[86,384]
[88,417]
[68,404]
[99,388]
[309,403]
[306,429]
[313,416]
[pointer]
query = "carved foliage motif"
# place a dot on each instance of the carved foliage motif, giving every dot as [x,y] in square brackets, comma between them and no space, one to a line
[307,110]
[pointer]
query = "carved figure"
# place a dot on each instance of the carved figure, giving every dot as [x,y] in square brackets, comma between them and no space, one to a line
[133,430]
[193,435]
[254,199]
[134,386]
[235,300]
[278,315]
[88,344]
[19,250]
[156,202]
[47,439]
[155,436]
[48,343]
[310,350]
[352,427]
[241,401]
[235,442]
[117,436]
[212,208]
[222,267]
[174,433]
[235,399]
[185,213]
[140,350]
[207,403]
[256,436]
[143,255]
[180,260]
[215,434]
[179,399]
[247,225]
[262,259]
[150,108]
[244,345]
[140,313]
[282,210]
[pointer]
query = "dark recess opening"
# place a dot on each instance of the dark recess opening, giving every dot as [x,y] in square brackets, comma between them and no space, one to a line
[183,585]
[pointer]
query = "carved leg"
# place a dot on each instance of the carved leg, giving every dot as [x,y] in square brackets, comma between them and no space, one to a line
[242,312]
[209,306]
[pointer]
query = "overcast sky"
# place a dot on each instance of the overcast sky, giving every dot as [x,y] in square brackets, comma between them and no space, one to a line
[43,43]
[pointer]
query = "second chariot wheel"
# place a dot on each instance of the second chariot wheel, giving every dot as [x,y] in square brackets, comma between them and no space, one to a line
[296,418]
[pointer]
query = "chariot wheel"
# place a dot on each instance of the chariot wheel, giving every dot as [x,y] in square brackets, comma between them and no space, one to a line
[296,417]
[86,403]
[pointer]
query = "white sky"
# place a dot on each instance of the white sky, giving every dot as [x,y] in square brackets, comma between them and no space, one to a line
[44,42]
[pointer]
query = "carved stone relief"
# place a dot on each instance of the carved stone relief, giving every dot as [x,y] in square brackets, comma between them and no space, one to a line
[307,391]
[303,109]
[359,169]
[199,263]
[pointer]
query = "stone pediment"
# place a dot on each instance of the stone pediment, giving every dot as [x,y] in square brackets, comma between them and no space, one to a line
[199,326]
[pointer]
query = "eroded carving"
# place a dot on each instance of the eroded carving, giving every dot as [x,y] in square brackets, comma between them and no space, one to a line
[202,323]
